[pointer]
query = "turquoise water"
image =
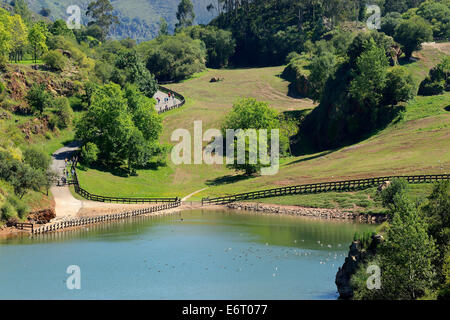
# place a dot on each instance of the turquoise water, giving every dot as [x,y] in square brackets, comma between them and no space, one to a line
[189,255]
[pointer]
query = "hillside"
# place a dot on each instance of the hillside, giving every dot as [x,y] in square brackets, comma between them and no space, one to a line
[416,143]
[139,19]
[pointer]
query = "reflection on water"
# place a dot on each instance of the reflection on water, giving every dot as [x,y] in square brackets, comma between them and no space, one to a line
[195,254]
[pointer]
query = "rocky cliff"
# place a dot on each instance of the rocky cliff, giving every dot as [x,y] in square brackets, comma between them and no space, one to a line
[356,256]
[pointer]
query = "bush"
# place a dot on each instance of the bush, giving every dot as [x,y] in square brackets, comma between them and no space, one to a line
[63,111]
[39,98]
[399,86]
[7,211]
[19,206]
[396,188]
[55,60]
[438,79]
[175,57]
[37,159]
[411,33]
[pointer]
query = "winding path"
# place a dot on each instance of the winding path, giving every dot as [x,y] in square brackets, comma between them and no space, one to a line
[162,105]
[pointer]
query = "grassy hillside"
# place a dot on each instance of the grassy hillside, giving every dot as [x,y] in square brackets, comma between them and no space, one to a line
[139,18]
[417,143]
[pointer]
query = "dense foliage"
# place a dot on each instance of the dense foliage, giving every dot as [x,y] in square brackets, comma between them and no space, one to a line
[123,125]
[174,57]
[360,96]
[248,113]
[414,254]
[438,79]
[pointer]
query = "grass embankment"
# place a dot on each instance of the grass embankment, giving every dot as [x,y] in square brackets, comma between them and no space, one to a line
[417,143]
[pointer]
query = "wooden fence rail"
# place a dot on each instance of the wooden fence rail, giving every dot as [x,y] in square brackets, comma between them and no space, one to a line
[99,198]
[322,187]
[24,226]
[103,218]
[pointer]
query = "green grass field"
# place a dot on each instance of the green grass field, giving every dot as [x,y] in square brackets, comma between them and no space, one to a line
[416,144]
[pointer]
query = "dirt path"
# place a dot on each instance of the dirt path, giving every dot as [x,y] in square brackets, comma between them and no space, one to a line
[67,206]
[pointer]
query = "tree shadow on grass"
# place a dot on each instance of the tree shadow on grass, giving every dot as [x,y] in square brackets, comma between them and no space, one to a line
[447,108]
[227,180]
[324,153]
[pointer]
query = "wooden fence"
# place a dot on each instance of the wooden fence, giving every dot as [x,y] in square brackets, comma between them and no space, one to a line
[76,222]
[177,95]
[99,198]
[24,226]
[322,187]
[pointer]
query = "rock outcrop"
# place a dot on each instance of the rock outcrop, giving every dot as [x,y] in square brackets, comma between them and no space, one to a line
[42,216]
[356,256]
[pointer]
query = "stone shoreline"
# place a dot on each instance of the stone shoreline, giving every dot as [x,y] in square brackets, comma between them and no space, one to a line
[320,213]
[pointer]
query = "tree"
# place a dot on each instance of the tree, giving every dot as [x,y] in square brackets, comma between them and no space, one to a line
[399,86]
[396,188]
[101,12]
[123,126]
[371,68]
[163,27]
[21,8]
[36,158]
[185,14]
[19,36]
[389,22]
[45,12]
[5,40]
[133,70]
[407,254]
[411,33]
[248,113]
[405,257]
[37,38]
[438,15]
[438,222]
[89,153]
[175,57]
[219,44]
[321,67]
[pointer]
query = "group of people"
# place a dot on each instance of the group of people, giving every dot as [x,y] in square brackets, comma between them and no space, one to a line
[66,172]
[170,96]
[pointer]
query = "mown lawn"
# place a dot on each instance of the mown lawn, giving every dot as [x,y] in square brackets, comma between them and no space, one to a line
[417,143]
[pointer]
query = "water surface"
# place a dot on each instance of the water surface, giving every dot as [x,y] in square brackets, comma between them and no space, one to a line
[196,254]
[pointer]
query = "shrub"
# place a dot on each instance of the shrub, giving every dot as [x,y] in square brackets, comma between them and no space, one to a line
[7,211]
[38,98]
[399,86]
[63,111]
[37,159]
[438,79]
[55,60]
[396,188]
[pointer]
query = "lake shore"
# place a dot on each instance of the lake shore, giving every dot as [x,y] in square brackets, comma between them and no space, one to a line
[244,207]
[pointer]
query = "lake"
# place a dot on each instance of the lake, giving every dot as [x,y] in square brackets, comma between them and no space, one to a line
[197,254]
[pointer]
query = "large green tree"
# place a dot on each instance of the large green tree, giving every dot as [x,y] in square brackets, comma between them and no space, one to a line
[185,14]
[37,37]
[101,11]
[123,126]
[411,33]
